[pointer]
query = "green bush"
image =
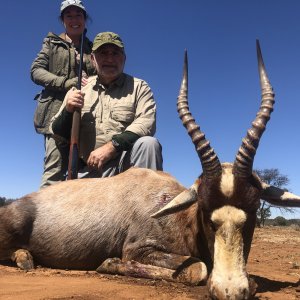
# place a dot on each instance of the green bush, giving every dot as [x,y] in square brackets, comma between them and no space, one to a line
[280,221]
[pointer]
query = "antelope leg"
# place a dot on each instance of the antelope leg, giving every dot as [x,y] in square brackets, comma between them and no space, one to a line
[193,274]
[23,259]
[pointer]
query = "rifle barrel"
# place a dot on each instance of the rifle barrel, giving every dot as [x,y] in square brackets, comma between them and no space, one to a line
[75,132]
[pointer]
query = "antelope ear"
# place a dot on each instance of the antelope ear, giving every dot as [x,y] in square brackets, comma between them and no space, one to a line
[280,197]
[180,202]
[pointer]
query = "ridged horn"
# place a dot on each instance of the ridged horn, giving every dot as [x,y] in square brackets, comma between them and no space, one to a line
[210,163]
[244,159]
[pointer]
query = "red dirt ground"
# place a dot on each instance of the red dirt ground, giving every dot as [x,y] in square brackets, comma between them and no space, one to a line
[274,263]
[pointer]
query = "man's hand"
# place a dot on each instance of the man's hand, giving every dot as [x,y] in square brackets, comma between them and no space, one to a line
[75,99]
[101,155]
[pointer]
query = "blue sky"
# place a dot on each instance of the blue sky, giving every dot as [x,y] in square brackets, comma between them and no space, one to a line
[224,92]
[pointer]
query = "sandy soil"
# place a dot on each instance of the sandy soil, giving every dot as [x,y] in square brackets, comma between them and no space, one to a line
[274,263]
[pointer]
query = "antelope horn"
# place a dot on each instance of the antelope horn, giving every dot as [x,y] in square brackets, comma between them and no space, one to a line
[210,163]
[244,159]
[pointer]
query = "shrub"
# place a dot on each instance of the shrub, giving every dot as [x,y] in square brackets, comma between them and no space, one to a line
[280,221]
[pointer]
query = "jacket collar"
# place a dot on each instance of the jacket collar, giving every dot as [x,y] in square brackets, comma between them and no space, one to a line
[62,39]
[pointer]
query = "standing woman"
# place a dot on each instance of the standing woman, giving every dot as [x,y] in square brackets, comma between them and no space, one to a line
[56,69]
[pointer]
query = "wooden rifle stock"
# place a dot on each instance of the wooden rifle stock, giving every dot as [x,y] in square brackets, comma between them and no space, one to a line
[75,132]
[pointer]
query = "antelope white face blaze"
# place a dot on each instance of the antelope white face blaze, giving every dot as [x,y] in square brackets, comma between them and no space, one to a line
[227,180]
[229,279]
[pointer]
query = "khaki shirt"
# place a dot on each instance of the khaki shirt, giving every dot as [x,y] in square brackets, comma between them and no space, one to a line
[127,104]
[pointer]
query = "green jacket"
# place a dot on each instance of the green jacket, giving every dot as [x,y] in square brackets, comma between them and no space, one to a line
[55,68]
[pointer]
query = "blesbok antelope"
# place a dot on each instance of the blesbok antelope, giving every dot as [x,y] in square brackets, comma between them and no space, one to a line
[144,223]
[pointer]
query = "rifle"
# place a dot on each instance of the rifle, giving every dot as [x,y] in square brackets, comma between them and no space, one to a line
[74,144]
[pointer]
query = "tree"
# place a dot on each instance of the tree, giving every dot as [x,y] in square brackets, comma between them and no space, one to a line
[2,201]
[272,177]
[263,213]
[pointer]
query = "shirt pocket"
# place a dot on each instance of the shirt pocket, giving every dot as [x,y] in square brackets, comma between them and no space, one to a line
[123,113]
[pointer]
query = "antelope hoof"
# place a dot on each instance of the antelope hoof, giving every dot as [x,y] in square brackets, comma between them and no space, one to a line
[23,259]
[110,266]
[195,274]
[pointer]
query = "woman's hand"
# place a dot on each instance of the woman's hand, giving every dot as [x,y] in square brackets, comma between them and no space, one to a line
[84,79]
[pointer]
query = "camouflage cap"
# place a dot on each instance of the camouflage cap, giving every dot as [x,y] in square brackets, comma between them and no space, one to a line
[67,3]
[107,38]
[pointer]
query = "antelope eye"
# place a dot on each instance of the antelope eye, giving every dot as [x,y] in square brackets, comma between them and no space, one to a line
[213,226]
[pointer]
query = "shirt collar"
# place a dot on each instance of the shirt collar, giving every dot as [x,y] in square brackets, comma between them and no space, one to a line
[118,82]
